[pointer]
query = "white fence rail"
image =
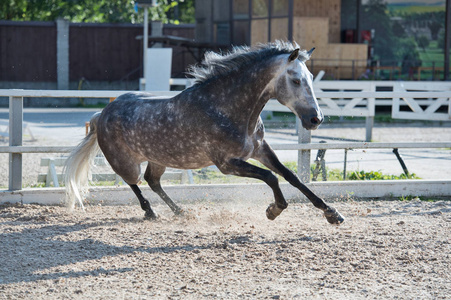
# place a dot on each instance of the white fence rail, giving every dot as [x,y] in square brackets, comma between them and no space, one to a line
[184,176]
[329,99]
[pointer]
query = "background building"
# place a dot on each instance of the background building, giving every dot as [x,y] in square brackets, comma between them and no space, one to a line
[354,39]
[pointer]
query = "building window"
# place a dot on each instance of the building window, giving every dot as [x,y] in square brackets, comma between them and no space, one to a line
[264,20]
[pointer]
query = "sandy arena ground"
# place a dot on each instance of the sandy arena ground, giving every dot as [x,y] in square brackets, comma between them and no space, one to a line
[384,250]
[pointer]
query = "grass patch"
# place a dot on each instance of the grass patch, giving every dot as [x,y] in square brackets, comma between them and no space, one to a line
[213,176]
[420,198]
[377,175]
[409,9]
[337,174]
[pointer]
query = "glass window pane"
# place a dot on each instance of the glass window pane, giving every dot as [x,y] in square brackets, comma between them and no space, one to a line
[259,8]
[222,33]
[279,29]
[259,31]
[221,11]
[241,33]
[241,9]
[279,8]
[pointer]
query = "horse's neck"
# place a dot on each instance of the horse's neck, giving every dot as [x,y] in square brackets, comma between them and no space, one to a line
[261,91]
[248,94]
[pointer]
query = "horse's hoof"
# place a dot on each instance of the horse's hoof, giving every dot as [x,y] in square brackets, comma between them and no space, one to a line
[184,214]
[273,211]
[179,212]
[333,216]
[150,215]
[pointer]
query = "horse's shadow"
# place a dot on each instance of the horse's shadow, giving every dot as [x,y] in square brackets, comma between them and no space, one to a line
[35,251]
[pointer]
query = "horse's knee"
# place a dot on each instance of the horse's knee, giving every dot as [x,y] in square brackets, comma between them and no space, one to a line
[147,178]
[272,180]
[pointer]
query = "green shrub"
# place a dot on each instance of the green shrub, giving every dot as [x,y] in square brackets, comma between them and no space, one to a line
[377,175]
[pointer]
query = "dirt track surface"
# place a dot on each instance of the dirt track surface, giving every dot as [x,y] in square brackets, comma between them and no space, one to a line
[385,249]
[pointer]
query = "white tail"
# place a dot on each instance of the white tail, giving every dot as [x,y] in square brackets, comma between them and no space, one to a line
[76,170]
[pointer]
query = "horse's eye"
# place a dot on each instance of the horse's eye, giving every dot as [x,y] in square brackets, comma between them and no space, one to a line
[296,81]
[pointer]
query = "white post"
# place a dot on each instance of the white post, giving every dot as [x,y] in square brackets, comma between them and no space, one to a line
[15,139]
[369,124]
[369,121]
[158,72]
[304,137]
[145,40]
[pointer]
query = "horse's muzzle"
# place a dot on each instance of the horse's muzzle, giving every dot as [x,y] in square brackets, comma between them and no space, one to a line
[312,122]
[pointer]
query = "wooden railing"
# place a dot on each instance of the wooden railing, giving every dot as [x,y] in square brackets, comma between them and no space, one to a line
[353,101]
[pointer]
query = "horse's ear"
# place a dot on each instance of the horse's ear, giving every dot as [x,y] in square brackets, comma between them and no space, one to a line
[310,51]
[294,55]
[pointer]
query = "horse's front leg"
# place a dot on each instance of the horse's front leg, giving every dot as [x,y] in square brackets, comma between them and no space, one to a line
[241,168]
[266,156]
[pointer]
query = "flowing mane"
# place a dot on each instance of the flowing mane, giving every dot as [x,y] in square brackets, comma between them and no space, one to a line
[219,65]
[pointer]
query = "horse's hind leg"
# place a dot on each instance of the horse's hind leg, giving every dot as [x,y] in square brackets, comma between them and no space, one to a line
[152,176]
[130,171]
[145,205]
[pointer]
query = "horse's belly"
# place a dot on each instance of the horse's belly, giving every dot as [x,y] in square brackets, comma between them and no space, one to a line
[177,158]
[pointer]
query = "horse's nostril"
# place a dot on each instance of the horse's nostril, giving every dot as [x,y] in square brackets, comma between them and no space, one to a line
[315,121]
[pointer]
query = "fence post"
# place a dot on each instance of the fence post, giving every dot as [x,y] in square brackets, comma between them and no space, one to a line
[305,137]
[15,139]
[369,123]
[369,120]
[62,53]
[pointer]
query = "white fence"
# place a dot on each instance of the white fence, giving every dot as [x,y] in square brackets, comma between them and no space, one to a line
[184,176]
[360,98]
[355,103]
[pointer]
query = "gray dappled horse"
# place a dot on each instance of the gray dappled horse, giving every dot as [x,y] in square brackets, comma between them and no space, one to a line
[215,122]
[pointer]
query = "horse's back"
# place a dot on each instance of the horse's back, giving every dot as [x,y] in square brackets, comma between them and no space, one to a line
[131,106]
[137,98]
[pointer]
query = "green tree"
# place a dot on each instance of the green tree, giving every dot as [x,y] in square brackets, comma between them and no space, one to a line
[423,42]
[389,43]
[398,30]
[374,16]
[181,12]
[96,11]
[408,54]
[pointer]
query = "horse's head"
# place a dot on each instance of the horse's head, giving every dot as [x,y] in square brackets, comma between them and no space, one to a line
[294,89]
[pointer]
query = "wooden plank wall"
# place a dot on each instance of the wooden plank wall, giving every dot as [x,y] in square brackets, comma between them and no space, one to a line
[27,51]
[311,32]
[181,57]
[117,52]
[104,52]
[330,9]
[97,52]
[334,58]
